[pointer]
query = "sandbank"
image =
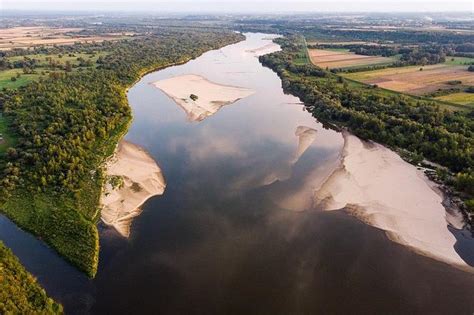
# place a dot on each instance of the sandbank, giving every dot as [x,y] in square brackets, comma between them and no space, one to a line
[267,49]
[211,96]
[139,178]
[381,189]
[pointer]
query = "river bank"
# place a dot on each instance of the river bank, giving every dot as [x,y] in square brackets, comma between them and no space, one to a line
[383,190]
[237,217]
[132,178]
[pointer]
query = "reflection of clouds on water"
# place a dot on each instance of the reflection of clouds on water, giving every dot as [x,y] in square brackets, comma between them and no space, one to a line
[306,137]
[206,145]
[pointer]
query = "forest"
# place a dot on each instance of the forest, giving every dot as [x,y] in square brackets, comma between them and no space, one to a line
[66,125]
[396,120]
[19,291]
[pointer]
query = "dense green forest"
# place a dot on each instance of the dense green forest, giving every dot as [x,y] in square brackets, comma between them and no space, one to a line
[19,291]
[66,125]
[396,120]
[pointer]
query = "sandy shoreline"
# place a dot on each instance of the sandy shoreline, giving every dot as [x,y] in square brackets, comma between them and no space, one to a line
[384,191]
[211,97]
[132,178]
[268,48]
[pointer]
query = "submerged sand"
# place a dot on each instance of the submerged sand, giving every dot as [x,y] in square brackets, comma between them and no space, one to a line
[268,48]
[139,178]
[211,96]
[391,194]
[306,137]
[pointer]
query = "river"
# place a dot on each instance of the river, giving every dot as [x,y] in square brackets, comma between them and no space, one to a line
[229,236]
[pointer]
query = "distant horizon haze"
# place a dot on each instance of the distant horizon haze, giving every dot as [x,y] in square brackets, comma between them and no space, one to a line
[244,6]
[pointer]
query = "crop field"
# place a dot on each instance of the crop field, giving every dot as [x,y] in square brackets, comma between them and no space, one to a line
[339,43]
[24,37]
[461,98]
[343,59]
[414,81]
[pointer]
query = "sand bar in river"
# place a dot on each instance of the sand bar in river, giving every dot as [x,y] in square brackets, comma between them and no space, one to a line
[139,178]
[211,96]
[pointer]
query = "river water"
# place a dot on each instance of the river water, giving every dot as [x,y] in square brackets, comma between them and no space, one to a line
[229,235]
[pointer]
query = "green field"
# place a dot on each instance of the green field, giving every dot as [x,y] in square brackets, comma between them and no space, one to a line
[72,58]
[7,139]
[7,75]
[462,98]
[302,57]
[459,61]
[43,67]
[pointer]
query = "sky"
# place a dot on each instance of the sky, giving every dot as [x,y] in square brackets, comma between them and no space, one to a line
[242,6]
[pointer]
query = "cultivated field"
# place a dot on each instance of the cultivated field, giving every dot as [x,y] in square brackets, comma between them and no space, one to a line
[339,43]
[343,59]
[413,81]
[461,98]
[24,37]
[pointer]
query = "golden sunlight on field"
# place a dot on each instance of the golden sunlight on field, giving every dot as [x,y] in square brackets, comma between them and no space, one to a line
[341,59]
[414,81]
[24,37]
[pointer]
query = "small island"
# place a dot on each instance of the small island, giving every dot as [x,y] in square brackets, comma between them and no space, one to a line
[213,96]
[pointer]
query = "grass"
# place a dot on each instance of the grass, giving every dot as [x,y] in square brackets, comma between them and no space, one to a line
[457,61]
[302,57]
[67,222]
[43,68]
[404,77]
[462,98]
[340,58]
[42,58]
[24,79]
[8,138]
[20,293]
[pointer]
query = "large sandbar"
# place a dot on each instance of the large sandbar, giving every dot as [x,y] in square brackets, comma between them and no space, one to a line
[211,96]
[137,178]
[391,194]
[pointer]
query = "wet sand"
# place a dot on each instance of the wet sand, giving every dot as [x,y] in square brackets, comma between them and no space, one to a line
[268,48]
[211,97]
[381,189]
[138,178]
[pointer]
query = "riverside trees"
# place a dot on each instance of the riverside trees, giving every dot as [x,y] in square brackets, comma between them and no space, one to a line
[66,125]
[396,120]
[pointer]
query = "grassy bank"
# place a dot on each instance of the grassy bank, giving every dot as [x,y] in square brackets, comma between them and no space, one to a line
[66,126]
[19,291]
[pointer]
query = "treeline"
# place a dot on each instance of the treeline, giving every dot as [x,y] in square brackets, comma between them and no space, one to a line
[397,36]
[409,55]
[66,125]
[19,291]
[395,120]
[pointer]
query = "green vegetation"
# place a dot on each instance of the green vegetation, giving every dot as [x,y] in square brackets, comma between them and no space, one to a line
[462,98]
[396,120]
[19,70]
[302,58]
[459,61]
[19,291]
[21,79]
[66,125]
[6,138]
